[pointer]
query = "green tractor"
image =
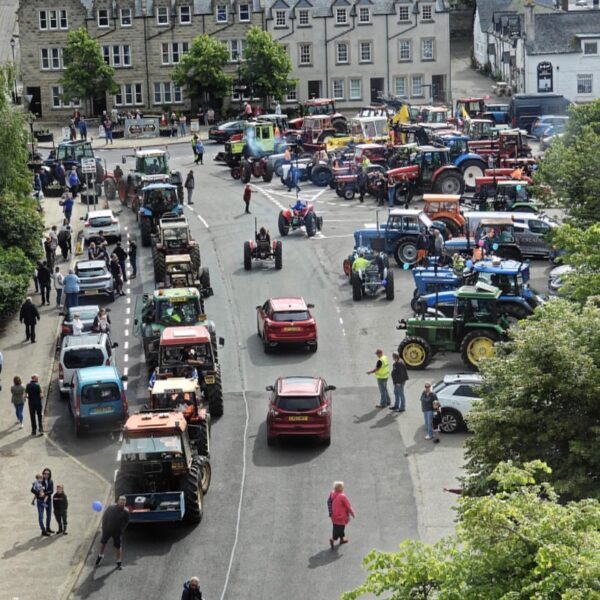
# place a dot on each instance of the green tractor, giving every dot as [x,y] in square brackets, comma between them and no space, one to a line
[473,331]
[158,199]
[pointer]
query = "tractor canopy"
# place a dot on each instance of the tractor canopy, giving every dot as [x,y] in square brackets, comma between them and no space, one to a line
[160,198]
[152,162]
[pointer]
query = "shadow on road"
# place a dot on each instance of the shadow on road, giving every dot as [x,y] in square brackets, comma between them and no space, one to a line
[324,557]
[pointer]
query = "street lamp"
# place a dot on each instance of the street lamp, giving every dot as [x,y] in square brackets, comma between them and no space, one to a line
[12,47]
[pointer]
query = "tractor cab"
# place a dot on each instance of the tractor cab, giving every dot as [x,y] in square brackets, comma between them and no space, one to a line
[171,307]
[434,114]
[479,129]
[316,129]
[513,195]
[174,232]
[179,271]
[430,159]
[476,304]
[457,145]
[160,199]
[152,162]
[445,208]
[71,153]
[318,106]
[510,277]
[367,128]
[178,394]
[469,107]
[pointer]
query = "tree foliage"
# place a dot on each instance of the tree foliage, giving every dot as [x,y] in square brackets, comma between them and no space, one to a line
[21,224]
[86,74]
[267,66]
[540,400]
[16,270]
[200,71]
[517,543]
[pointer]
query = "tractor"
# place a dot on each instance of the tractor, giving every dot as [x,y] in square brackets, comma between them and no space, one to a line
[471,165]
[173,237]
[179,272]
[160,472]
[509,148]
[151,166]
[473,330]
[157,200]
[191,352]
[375,276]
[318,107]
[469,108]
[317,131]
[262,248]
[301,214]
[510,195]
[445,208]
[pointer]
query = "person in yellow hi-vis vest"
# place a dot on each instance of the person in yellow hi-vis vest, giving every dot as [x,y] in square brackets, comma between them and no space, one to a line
[382,374]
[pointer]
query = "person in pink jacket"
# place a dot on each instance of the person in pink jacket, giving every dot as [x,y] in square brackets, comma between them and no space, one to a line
[340,511]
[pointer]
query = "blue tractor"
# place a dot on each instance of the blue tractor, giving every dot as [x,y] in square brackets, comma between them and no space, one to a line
[157,199]
[471,165]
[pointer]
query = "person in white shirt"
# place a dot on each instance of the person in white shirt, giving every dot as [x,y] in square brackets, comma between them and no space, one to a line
[58,285]
[77,324]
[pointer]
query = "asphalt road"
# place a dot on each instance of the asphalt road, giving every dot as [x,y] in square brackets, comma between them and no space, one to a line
[265,529]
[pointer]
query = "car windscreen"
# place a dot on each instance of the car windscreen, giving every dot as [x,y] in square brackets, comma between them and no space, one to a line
[103,221]
[290,315]
[298,403]
[179,312]
[96,393]
[81,358]
[91,272]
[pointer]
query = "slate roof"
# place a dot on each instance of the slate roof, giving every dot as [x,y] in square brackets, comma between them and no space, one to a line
[323,8]
[555,33]
[487,8]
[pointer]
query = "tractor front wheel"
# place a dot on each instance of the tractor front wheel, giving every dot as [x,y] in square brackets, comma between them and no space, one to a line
[453,228]
[389,286]
[146,232]
[110,189]
[282,223]
[204,474]
[477,346]
[192,495]
[406,251]
[267,173]
[247,257]
[278,255]
[415,352]
[513,312]
[311,224]
[214,396]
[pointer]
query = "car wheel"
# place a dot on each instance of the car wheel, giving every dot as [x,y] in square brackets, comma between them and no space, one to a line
[451,421]
[326,441]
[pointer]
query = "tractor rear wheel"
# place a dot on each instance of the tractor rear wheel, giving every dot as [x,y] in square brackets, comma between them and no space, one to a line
[278,255]
[202,436]
[389,286]
[449,182]
[192,495]
[122,190]
[125,484]
[340,126]
[267,173]
[195,256]
[451,226]
[477,346]
[214,396]
[247,257]
[204,473]
[406,251]
[357,291]
[311,224]
[246,172]
[110,189]
[415,352]
[146,232]
[160,265]
[282,223]
[321,176]
[348,193]
[471,170]
[235,172]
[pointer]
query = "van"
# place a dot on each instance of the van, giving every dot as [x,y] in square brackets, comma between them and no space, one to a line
[524,109]
[97,398]
[82,352]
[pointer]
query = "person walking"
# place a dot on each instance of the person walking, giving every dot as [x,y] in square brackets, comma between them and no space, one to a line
[67,205]
[194,142]
[82,129]
[382,374]
[48,486]
[210,116]
[108,130]
[17,397]
[33,395]
[29,315]
[133,258]
[64,239]
[183,125]
[114,522]
[115,271]
[71,289]
[399,378]
[189,186]
[60,175]
[60,504]
[49,251]
[361,180]
[74,183]
[122,258]
[44,279]
[428,397]
[247,198]
[340,511]
[58,285]
[199,152]
[191,589]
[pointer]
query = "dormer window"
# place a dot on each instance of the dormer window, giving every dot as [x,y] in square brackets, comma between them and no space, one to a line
[364,14]
[303,17]
[341,16]
[221,13]
[162,15]
[403,14]
[103,18]
[280,18]
[590,48]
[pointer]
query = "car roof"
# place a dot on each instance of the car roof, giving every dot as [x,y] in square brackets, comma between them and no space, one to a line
[170,421]
[298,386]
[178,384]
[472,378]
[176,336]
[285,303]
[98,374]
[87,339]
[83,308]
[89,264]
[107,212]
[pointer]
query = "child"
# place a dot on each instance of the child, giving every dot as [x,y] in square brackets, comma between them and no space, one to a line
[60,503]
[437,420]
[37,489]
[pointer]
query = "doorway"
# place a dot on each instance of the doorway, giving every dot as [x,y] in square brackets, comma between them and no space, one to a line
[35,104]
[376,89]
[314,89]
[438,88]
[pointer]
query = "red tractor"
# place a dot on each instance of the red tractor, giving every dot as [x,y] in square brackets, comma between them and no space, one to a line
[301,214]
[262,248]
[508,147]
[320,107]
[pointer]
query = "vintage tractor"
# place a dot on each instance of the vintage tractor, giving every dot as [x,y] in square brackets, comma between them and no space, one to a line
[158,199]
[320,107]
[179,272]
[487,186]
[262,248]
[301,214]
[469,108]
[371,279]
[510,195]
[151,166]
[473,330]
[173,237]
[191,352]
[445,208]
[160,472]
[509,148]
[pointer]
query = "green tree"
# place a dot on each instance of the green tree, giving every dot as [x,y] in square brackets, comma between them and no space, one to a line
[201,70]
[16,270]
[540,400]
[86,75]
[21,224]
[267,66]
[518,543]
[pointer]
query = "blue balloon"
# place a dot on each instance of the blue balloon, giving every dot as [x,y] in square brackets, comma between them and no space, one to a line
[406,266]
[384,282]
[469,264]
[518,188]
[97,505]
[495,247]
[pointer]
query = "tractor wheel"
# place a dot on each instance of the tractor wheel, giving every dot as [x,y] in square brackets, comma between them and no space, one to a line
[332,182]
[202,435]
[311,224]
[247,256]
[160,265]
[471,170]
[110,189]
[268,173]
[192,494]
[195,256]
[278,255]
[415,352]
[321,176]
[340,126]
[449,182]
[282,223]
[146,232]
[348,193]
[357,290]
[414,303]
[122,190]
[389,287]
[513,312]
[125,484]
[339,191]
[476,346]
[235,172]
[347,268]
[215,346]
[278,168]
[406,251]
[452,421]
[214,396]
[205,474]
[451,226]
[257,170]
[246,173]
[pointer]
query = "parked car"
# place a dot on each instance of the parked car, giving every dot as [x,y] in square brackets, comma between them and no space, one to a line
[101,220]
[87,313]
[97,398]
[556,278]
[524,109]
[456,394]
[224,131]
[94,278]
[81,352]
[299,406]
[540,126]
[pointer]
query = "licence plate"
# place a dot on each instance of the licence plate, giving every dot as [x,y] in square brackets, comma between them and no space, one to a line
[90,292]
[101,410]
[292,328]
[298,418]
[209,379]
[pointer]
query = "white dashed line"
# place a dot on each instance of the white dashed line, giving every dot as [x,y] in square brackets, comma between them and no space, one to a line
[127,321]
[127,331]
[126,346]
[126,358]
[203,220]
[126,371]
[128,300]
[341,321]
[128,311]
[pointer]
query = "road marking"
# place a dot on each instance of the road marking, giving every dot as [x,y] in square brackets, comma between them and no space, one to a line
[320,236]
[344,220]
[127,321]
[127,310]
[127,331]
[341,321]
[270,197]
[126,358]
[126,371]
[126,228]
[343,332]
[203,221]
[128,300]
[126,346]
[318,194]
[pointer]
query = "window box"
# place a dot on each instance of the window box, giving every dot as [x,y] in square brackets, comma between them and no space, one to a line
[118,132]
[43,135]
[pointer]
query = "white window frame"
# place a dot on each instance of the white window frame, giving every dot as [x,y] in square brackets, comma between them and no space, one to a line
[166,92]
[135,90]
[236,49]
[43,20]
[412,86]
[429,9]
[221,13]
[162,16]
[364,10]
[397,80]
[409,46]
[117,56]
[292,94]
[424,42]
[340,59]
[335,82]
[341,16]
[584,79]
[103,18]
[303,17]
[62,15]
[45,59]
[247,11]
[56,93]
[590,43]
[310,54]
[124,15]
[183,21]
[280,18]
[403,14]
[351,95]
[369,45]
[172,52]
[47,17]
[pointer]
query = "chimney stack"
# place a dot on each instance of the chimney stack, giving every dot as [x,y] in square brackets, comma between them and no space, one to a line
[529,20]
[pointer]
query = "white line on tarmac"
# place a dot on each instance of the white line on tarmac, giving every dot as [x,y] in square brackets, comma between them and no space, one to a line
[341,321]
[126,346]
[126,371]
[203,221]
[127,321]
[329,237]
[126,228]
[127,331]
[128,300]
[318,194]
[126,358]
[127,310]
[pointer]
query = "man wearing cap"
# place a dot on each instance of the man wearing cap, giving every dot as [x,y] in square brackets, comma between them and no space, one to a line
[382,374]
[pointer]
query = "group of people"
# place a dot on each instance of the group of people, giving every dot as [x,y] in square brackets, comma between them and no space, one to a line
[45,499]
[77,123]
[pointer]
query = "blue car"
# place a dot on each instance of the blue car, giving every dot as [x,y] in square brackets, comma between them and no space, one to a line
[543,123]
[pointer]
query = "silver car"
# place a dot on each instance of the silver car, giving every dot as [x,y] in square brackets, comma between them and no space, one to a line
[456,394]
[556,276]
[94,279]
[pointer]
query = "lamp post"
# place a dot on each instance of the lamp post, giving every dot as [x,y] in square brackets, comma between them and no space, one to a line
[12,47]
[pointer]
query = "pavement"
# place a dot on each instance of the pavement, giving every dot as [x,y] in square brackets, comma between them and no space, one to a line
[29,560]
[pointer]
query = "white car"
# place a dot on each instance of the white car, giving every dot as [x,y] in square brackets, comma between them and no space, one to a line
[456,394]
[101,220]
[555,278]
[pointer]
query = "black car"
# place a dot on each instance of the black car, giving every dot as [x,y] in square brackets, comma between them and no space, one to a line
[223,132]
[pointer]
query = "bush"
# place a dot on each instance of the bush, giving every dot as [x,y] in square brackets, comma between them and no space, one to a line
[16,270]
[21,225]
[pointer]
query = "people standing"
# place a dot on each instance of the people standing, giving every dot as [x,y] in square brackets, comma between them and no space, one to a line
[422,248]
[133,258]
[174,125]
[67,205]
[101,322]
[191,589]
[438,244]
[49,251]
[115,271]
[82,129]
[33,395]
[60,504]
[122,258]
[74,182]
[108,130]
[58,285]
[189,186]
[114,522]
[247,111]
[399,378]
[194,142]
[361,180]
[210,116]
[247,197]
[37,489]
[44,279]
[277,108]
[199,152]
[382,374]
[60,174]
[17,397]
[183,125]
[71,288]
[48,485]
[64,239]
[340,511]
[428,397]
[29,315]
[77,325]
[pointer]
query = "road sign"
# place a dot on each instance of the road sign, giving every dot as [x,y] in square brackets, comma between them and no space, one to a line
[88,166]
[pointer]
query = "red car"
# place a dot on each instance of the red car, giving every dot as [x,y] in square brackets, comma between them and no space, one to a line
[299,406]
[286,321]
